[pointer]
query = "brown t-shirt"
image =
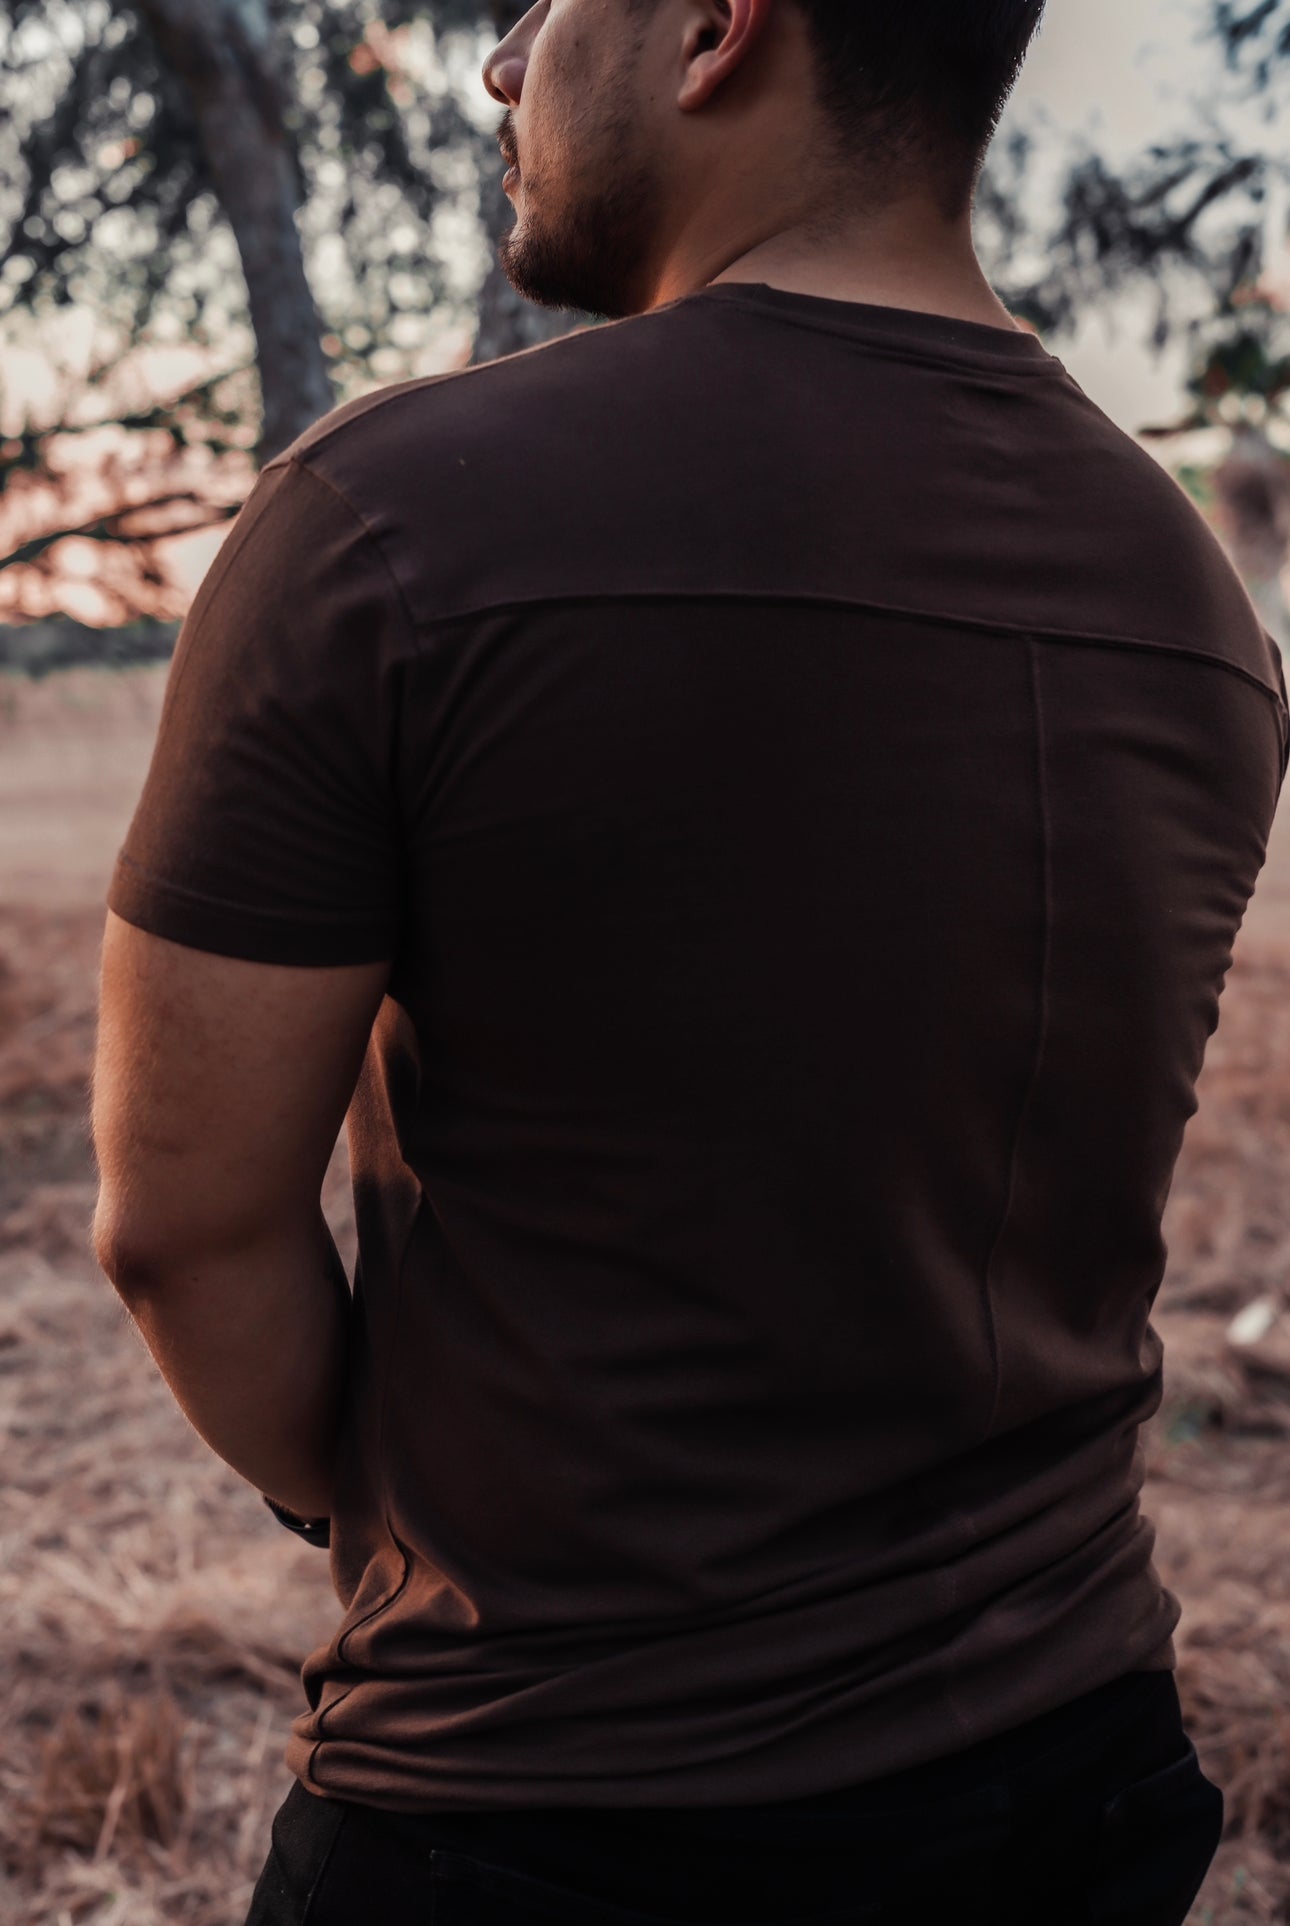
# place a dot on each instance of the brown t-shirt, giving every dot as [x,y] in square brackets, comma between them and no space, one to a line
[807,767]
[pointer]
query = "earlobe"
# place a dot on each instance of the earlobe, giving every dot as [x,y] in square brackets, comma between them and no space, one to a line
[718,48]
[705,68]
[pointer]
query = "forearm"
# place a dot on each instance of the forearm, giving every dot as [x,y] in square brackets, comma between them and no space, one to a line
[253,1342]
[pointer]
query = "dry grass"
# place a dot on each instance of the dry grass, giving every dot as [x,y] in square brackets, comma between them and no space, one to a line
[154,1626]
[110,1773]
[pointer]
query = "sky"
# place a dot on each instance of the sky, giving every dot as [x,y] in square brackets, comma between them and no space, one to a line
[1120,73]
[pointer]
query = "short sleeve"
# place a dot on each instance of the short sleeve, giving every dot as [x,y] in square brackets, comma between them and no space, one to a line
[268,825]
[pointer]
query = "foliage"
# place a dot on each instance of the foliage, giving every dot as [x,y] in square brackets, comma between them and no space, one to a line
[174,464]
[108,206]
[1197,479]
[1240,368]
[1183,219]
[106,197]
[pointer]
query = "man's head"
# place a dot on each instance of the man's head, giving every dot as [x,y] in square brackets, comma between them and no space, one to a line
[659,140]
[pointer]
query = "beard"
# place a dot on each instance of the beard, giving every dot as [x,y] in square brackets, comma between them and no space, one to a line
[592,254]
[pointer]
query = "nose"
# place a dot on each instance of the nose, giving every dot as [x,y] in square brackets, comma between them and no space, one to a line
[503,71]
[504,79]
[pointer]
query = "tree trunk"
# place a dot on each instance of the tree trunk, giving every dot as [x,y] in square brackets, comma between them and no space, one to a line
[507,322]
[1253,489]
[222,51]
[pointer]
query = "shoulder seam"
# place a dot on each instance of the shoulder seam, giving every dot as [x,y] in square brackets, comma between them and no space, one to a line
[298,461]
[396,390]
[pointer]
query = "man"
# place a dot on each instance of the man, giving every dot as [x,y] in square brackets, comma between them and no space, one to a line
[766,790]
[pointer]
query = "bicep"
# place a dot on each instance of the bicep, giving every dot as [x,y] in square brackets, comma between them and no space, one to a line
[219,1088]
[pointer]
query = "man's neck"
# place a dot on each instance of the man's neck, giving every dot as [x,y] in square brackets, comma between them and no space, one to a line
[902,256]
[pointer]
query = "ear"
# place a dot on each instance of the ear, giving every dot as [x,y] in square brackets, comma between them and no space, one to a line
[719,37]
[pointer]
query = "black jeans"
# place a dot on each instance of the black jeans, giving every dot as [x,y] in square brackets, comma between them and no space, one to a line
[1096,1812]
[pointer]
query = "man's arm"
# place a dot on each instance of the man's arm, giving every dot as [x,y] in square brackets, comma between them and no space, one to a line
[219,1088]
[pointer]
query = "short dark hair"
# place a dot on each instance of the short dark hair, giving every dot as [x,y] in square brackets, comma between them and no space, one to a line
[912,86]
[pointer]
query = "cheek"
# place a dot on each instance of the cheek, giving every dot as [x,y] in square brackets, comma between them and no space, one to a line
[566,88]
[543,108]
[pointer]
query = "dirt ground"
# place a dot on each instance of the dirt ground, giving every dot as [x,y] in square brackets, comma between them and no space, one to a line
[153,1616]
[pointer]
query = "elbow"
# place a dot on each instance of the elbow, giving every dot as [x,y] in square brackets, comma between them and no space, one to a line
[134,1262]
[160,1241]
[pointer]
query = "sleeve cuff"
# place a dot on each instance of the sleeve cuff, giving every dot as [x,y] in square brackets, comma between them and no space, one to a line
[167,909]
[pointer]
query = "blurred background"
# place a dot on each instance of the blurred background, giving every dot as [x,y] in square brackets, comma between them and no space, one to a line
[219,220]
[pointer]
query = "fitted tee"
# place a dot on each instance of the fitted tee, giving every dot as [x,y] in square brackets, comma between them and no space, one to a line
[805,767]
